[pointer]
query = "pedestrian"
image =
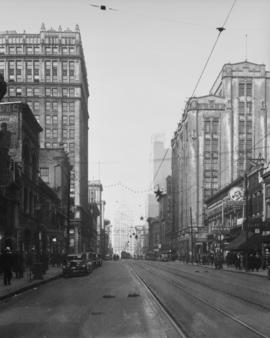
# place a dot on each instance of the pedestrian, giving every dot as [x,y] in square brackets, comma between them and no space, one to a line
[7,265]
[238,261]
[17,264]
[257,261]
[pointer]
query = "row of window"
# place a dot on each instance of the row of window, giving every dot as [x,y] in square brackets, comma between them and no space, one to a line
[69,147]
[37,50]
[35,39]
[53,133]
[211,131]
[208,155]
[36,91]
[53,106]
[245,107]
[245,88]
[29,70]
[211,145]
[64,92]
[210,173]
[211,185]
[67,120]
[67,107]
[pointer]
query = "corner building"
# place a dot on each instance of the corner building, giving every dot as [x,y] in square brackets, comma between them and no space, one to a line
[213,143]
[47,70]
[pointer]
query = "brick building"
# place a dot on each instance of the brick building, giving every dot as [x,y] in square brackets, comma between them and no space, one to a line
[47,70]
[22,191]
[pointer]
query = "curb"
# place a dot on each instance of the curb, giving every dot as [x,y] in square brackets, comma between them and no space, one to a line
[230,270]
[235,271]
[29,287]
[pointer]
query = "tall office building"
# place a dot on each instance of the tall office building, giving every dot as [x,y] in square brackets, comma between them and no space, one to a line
[161,169]
[47,70]
[95,196]
[213,144]
[161,158]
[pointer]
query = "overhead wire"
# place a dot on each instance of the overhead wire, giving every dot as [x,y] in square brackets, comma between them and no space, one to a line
[220,30]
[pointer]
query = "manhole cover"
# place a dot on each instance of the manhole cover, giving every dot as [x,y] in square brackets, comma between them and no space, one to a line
[108,296]
[96,313]
[133,295]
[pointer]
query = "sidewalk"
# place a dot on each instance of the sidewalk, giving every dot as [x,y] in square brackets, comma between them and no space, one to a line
[261,273]
[20,285]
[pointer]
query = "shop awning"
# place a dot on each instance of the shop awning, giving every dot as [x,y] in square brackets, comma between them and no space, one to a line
[240,242]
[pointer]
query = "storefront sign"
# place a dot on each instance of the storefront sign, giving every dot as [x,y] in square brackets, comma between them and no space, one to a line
[236,194]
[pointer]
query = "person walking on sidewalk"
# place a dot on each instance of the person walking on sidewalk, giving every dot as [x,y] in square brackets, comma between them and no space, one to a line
[258,261]
[7,265]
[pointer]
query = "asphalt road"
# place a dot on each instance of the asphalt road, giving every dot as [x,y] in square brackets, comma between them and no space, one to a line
[110,302]
[118,300]
[209,303]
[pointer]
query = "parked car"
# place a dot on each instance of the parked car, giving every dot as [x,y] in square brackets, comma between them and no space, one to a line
[77,264]
[92,257]
[108,257]
[165,256]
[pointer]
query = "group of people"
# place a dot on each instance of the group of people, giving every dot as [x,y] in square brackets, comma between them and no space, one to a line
[14,263]
[11,262]
[252,261]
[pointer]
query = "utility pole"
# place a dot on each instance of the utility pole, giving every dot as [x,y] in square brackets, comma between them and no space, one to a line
[246,219]
[191,234]
[68,212]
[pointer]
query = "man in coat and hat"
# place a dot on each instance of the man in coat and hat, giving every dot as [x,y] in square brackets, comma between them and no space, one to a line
[7,265]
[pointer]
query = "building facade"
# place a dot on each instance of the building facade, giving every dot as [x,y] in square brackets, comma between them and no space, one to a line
[54,169]
[47,70]
[95,190]
[218,135]
[20,140]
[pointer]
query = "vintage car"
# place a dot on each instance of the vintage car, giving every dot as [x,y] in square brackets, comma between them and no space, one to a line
[94,258]
[77,264]
[108,257]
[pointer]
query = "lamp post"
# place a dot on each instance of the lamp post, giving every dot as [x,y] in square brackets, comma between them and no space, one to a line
[191,234]
[68,211]
[246,219]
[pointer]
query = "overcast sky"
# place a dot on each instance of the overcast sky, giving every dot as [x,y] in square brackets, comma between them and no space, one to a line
[143,62]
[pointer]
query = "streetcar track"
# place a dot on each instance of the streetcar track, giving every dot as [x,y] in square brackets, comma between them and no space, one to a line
[164,308]
[204,284]
[196,297]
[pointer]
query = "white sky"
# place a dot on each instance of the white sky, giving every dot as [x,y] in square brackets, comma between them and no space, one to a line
[143,62]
